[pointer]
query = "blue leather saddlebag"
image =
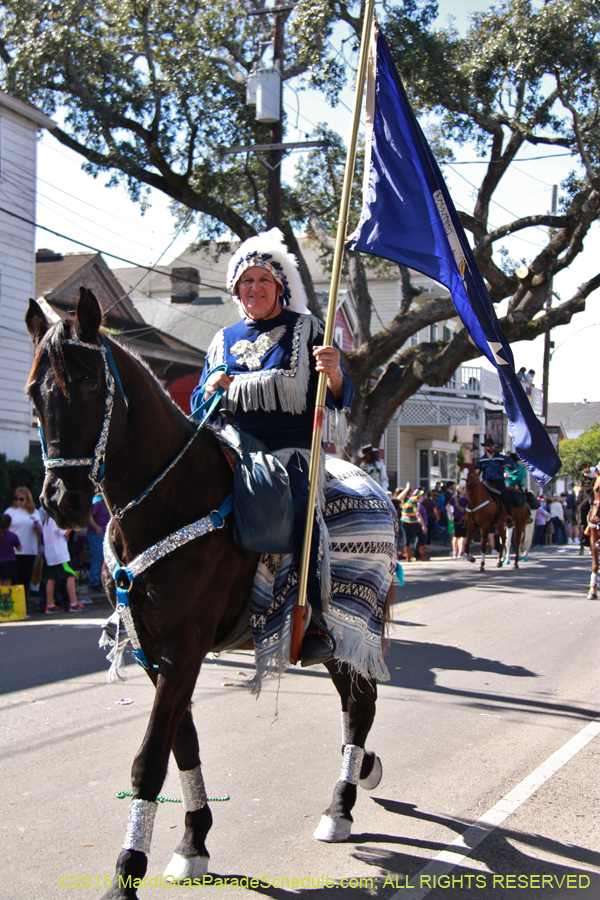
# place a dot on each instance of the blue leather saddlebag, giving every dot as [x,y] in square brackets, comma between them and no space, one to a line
[263,510]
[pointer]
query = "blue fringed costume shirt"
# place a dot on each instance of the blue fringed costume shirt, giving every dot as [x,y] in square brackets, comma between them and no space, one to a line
[274,389]
[493,469]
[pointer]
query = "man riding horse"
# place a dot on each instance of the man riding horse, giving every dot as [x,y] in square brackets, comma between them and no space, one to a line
[491,468]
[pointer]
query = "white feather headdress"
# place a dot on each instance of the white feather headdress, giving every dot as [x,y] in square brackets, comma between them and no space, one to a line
[268,250]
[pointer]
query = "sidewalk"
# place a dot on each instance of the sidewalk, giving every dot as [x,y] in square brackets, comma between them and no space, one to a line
[98,604]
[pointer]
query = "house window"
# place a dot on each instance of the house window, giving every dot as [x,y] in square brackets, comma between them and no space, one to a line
[414,340]
[339,337]
[436,465]
[447,333]
[433,332]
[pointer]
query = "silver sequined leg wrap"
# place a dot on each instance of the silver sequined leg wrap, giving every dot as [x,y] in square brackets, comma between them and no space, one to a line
[192,789]
[345,728]
[139,827]
[351,765]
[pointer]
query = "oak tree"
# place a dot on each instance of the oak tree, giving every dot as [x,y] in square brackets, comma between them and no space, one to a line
[150,92]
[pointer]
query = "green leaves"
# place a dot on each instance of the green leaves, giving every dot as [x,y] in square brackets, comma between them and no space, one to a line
[586,448]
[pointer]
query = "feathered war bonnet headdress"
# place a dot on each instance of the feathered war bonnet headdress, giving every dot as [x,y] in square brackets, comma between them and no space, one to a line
[268,250]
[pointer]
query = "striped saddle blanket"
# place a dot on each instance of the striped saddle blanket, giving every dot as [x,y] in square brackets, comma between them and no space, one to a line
[358,564]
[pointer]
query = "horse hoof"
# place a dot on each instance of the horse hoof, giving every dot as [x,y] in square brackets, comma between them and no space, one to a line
[180,868]
[333,831]
[372,780]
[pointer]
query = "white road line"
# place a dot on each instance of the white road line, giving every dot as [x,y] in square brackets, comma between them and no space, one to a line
[460,848]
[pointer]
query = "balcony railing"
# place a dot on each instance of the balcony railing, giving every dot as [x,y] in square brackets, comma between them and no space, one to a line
[470,381]
[475,381]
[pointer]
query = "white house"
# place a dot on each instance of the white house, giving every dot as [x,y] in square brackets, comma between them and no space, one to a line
[19,126]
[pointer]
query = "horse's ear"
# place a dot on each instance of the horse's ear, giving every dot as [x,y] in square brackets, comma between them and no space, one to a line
[36,321]
[88,317]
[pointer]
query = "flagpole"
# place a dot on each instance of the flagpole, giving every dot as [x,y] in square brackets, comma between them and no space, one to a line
[315,450]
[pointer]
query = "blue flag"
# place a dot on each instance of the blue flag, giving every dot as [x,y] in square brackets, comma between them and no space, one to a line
[408,217]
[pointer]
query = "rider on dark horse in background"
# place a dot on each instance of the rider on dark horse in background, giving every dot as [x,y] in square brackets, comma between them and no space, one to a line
[491,468]
[515,480]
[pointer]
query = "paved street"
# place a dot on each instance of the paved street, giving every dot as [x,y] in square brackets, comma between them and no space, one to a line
[492,675]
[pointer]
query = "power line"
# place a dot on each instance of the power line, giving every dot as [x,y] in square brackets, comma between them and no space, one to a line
[490,162]
[504,209]
[55,203]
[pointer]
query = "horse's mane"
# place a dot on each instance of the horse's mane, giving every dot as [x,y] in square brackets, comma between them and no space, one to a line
[52,344]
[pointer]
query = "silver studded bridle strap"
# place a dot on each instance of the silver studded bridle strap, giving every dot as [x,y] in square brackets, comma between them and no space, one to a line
[95,462]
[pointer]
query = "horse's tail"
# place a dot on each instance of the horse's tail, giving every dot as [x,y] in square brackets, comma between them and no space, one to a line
[386,630]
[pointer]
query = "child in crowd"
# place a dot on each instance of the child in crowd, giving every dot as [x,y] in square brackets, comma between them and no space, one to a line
[9,542]
[56,552]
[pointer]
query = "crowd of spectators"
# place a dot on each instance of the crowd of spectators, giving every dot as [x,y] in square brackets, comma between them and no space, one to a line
[559,520]
[48,561]
[428,516]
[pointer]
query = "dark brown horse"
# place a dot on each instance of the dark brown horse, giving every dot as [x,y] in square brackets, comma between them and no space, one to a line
[185,603]
[487,513]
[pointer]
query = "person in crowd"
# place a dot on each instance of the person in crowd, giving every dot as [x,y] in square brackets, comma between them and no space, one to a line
[58,566]
[27,525]
[95,534]
[9,543]
[522,376]
[542,517]
[529,383]
[431,511]
[444,496]
[588,479]
[398,498]
[374,467]
[456,513]
[516,476]
[414,523]
[570,503]
[275,355]
[575,514]
[558,520]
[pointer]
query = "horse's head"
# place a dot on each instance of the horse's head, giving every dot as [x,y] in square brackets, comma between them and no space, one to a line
[468,477]
[67,386]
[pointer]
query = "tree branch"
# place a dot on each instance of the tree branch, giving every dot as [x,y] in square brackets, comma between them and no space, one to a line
[409,291]
[385,343]
[518,224]
[592,177]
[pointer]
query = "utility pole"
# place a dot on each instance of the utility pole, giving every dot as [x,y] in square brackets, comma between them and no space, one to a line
[276,156]
[548,344]
[281,11]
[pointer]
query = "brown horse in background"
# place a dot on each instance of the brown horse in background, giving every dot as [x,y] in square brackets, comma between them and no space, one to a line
[593,530]
[486,512]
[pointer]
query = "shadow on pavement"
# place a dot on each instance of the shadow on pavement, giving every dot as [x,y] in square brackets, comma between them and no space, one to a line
[46,650]
[504,863]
